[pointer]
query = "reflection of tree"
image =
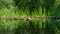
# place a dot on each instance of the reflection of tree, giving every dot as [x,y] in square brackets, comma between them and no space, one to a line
[34,29]
[28,28]
[49,29]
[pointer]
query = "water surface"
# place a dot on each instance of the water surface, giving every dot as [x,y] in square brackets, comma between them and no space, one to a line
[45,26]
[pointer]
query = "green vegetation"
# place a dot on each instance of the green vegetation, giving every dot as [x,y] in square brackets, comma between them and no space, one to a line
[28,8]
[29,27]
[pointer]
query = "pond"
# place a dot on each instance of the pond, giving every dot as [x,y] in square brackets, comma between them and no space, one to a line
[45,26]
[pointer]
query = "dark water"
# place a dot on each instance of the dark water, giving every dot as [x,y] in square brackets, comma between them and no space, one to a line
[30,27]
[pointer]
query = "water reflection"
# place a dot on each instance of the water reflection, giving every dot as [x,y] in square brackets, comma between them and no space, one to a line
[29,27]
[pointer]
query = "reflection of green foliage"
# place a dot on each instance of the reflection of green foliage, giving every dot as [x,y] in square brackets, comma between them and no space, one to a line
[30,27]
[10,8]
[49,29]
[33,27]
[7,27]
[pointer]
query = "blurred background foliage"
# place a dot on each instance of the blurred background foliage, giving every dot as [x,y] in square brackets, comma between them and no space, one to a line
[26,8]
[29,8]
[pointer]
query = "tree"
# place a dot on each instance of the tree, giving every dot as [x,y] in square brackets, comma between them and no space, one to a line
[47,5]
[28,4]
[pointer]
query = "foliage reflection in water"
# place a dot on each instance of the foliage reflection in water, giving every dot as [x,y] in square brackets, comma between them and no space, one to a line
[29,27]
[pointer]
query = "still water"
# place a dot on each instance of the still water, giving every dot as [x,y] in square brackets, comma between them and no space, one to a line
[30,26]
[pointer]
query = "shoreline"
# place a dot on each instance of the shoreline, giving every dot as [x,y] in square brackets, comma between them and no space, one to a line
[28,18]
